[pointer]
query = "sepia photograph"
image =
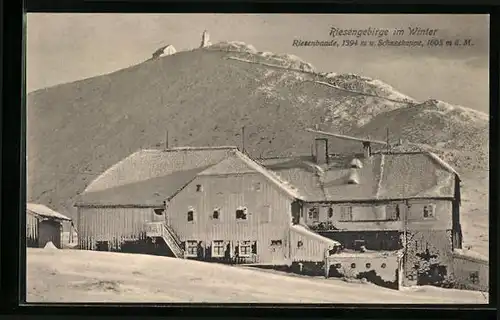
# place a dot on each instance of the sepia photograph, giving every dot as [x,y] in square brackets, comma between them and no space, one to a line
[257,158]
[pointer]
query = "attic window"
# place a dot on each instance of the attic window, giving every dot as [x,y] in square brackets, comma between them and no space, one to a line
[158,211]
[198,188]
[241,213]
[428,211]
[216,214]
[256,186]
[190,215]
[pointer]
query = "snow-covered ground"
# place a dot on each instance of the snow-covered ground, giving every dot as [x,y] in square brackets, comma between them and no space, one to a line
[84,276]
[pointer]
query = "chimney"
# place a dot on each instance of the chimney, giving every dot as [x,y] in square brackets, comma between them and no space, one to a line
[321,150]
[367,149]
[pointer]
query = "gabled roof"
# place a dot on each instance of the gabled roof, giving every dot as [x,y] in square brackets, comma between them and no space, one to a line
[147,164]
[43,211]
[382,177]
[149,177]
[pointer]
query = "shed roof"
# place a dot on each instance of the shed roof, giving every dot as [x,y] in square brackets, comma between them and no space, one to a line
[44,212]
[382,177]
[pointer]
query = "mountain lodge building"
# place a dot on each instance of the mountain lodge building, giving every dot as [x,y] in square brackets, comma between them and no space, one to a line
[218,204]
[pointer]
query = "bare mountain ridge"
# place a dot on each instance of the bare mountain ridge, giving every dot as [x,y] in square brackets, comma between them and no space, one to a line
[204,97]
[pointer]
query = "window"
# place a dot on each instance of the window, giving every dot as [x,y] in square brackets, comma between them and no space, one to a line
[241,213]
[256,186]
[428,211]
[198,188]
[276,242]
[368,265]
[383,265]
[300,244]
[190,215]
[158,211]
[245,248]
[216,214]
[353,265]
[474,277]
[218,248]
[191,248]
[346,213]
[394,212]
[313,214]
[330,212]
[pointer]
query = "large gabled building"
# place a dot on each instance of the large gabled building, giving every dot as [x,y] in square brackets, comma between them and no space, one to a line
[212,203]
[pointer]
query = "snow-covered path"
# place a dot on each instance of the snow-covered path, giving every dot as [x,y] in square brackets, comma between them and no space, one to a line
[85,276]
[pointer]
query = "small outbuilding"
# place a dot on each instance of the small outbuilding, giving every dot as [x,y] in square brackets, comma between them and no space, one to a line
[43,225]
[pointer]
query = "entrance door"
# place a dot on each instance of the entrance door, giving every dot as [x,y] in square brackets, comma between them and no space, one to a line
[49,231]
[277,251]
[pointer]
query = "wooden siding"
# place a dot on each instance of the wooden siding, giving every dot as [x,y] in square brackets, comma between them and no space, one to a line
[268,213]
[304,248]
[115,225]
[31,230]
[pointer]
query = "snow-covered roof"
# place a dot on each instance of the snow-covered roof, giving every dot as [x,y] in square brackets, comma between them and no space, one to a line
[311,234]
[44,211]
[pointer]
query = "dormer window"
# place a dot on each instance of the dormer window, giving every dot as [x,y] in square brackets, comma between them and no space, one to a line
[356,164]
[158,211]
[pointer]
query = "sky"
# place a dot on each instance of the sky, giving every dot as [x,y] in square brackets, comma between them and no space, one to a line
[68,47]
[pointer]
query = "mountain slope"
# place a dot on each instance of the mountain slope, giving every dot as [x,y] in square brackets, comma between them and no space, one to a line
[204,97]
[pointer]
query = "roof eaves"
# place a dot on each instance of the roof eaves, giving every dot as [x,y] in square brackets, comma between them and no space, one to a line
[442,163]
[273,177]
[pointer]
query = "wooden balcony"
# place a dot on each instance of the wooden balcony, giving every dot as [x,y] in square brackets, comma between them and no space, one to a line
[154,229]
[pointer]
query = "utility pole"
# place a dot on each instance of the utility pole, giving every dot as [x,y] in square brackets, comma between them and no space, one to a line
[166,139]
[388,146]
[243,139]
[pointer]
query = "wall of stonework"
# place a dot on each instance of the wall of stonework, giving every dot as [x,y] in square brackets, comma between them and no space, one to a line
[423,249]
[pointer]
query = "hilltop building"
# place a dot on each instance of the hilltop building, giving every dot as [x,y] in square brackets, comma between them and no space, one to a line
[163,51]
[205,39]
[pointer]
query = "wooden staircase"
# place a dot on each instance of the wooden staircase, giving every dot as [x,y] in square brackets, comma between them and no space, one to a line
[161,230]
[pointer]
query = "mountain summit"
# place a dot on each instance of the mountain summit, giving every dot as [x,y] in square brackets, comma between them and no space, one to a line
[205,96]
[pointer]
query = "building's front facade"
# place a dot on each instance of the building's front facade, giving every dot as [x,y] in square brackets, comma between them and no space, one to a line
[229,209]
